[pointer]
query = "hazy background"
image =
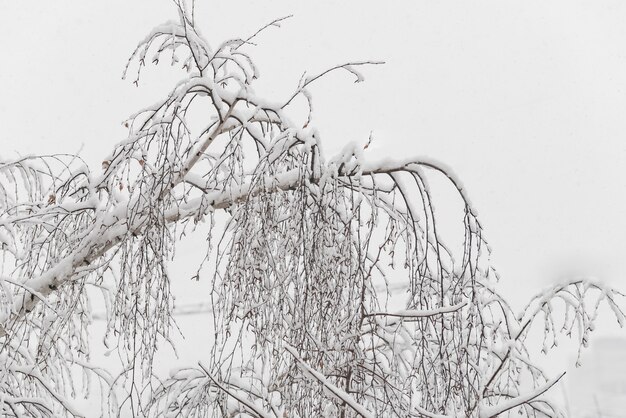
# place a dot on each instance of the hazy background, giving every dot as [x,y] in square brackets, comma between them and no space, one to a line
[525,100]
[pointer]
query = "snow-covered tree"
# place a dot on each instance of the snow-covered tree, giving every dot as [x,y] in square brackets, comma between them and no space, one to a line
[306,254]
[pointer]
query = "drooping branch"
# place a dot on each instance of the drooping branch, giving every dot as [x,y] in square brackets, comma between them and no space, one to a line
[304,264]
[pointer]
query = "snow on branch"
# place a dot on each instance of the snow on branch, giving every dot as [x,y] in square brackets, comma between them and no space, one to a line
[493,411]
[420,313]
[304,254]
[339,393]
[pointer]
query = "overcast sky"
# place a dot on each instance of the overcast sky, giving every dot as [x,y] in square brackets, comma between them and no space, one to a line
[525,100]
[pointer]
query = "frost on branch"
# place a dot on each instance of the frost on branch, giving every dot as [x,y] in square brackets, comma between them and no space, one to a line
[303,268]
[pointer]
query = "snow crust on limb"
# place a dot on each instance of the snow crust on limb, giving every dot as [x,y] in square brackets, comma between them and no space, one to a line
[302,269]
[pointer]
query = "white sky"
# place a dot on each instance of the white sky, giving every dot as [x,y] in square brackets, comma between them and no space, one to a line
[525,100]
